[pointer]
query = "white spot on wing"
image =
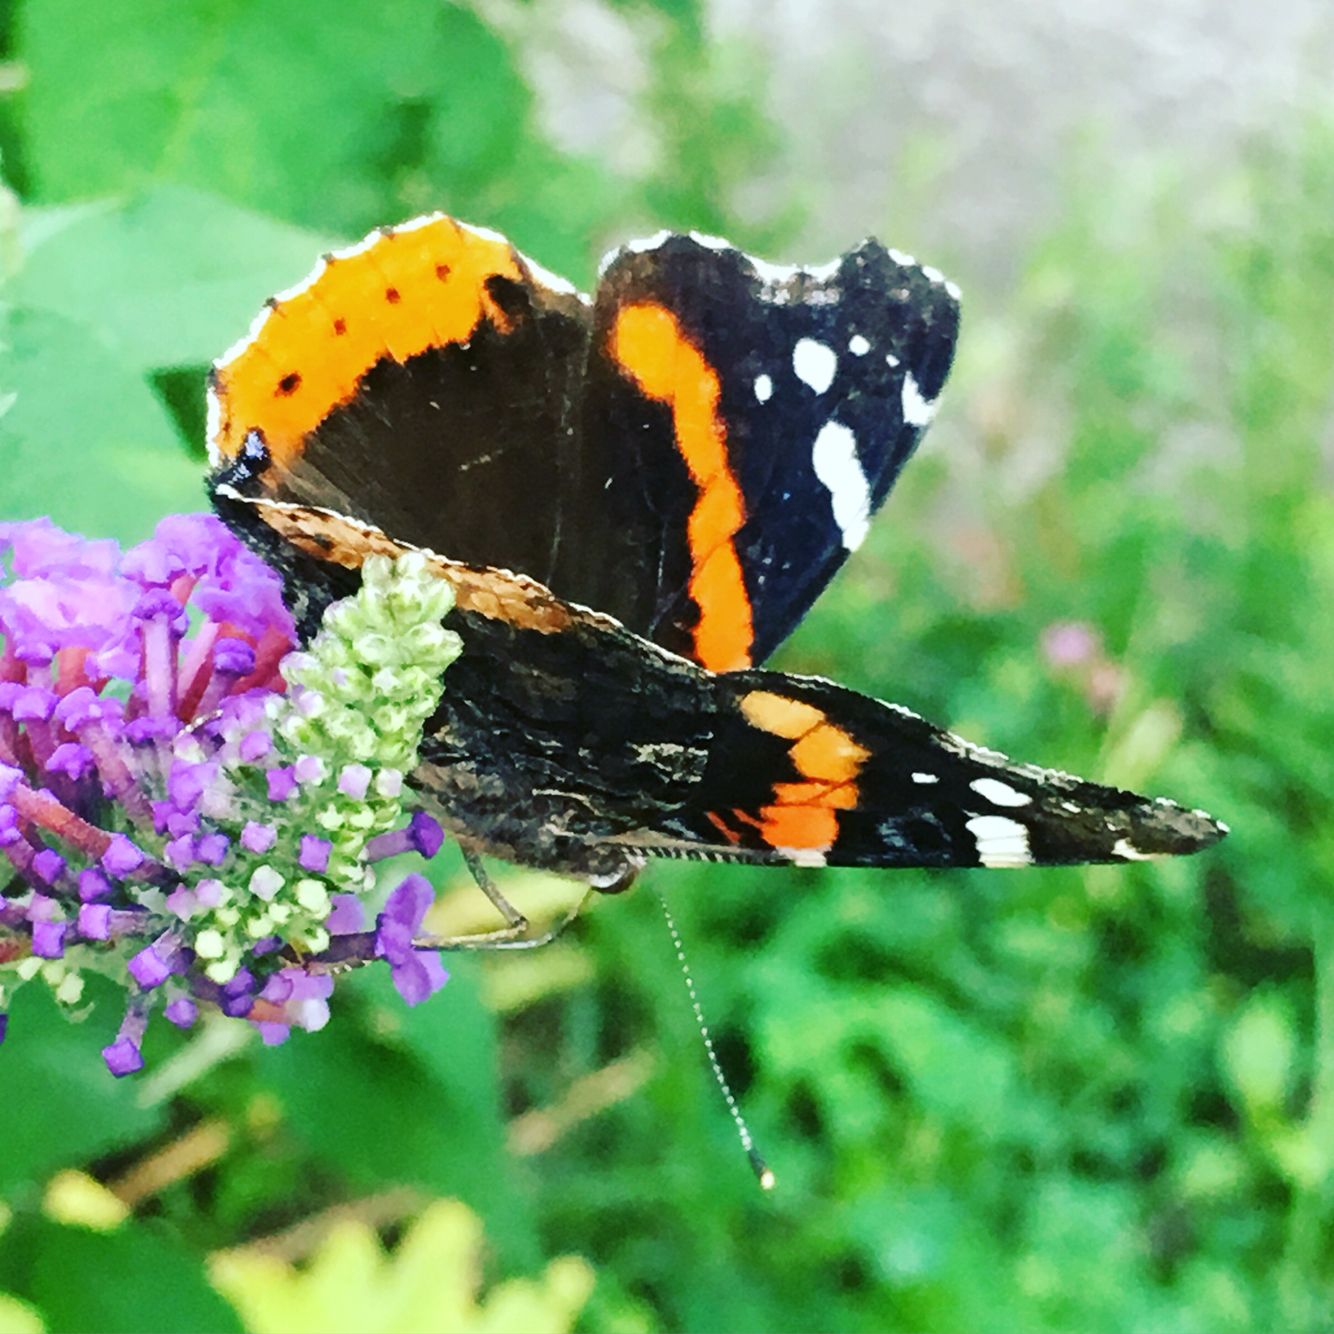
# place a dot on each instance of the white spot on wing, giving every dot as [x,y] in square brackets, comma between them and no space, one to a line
[1123,847]
[764,388]
[213,428]
[552,280]
[632,248]
[858,345]
[917,410]
[925,778]
[773,275]
[416,224]
[804,856]
[891,359]
[998,793]
[836,465]
[359,248]
[899,257]
[932,275]
[486,233]
[309,281]
[814,363]
[1000,841]
[711,242]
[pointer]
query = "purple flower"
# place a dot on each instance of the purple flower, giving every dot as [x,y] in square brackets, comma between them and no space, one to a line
[33,705]
[151,796]
[149,968]
[48,939]
[94,921]
[43,616]
[49,866]
[186,782]
[314,853]
[417,973]
[422,835]
[70,760]
[38,547]
[1070,643]
[233,657]
[122,857]
[123,1057]
[93,886]
[182,1012]
[255,746]
[211,849]
[258,838]
[348,914]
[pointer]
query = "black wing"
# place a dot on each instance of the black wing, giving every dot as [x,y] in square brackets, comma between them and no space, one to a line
[743,423]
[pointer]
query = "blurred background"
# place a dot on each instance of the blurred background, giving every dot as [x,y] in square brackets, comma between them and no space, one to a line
[1043,1100]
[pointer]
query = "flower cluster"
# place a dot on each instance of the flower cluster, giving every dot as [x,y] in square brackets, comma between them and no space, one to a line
[188,804]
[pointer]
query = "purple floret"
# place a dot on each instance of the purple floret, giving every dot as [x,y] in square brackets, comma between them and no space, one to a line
[417,973]
[123,1057]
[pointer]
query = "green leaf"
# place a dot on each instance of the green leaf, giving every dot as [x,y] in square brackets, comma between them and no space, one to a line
[171,277]
[136,1279]
[73,1109]
[418,1105]
[956,1069]
[299,108]
[83,438]
[1260,1054]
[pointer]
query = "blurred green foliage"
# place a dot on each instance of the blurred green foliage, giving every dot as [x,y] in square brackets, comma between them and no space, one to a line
[1043,1101]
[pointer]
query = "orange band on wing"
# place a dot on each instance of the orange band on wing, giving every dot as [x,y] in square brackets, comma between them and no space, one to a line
[407,290]
[650,346]
[804,814]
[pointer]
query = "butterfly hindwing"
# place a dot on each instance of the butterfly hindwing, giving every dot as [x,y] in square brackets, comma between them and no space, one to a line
[820,775]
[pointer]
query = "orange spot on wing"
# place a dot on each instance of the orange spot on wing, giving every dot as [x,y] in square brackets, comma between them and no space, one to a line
[387,300]
[651,347]
[722,827]
[827,752]
[799,827]
[826,757]
[842,797]
[780,714]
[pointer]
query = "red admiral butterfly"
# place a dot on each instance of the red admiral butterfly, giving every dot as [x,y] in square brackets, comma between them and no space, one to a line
[691,455]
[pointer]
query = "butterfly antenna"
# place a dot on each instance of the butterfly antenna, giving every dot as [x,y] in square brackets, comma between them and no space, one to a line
[763,1173]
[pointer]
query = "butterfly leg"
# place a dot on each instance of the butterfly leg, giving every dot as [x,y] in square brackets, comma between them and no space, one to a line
[514,934]
[506,937]
[515,922]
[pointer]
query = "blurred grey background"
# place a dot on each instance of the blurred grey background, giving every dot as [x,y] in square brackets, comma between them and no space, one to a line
[988,100]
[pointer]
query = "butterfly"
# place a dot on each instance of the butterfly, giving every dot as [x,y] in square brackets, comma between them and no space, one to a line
[635,497]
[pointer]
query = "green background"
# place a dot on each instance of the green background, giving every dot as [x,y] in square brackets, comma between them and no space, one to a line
[1056,1100]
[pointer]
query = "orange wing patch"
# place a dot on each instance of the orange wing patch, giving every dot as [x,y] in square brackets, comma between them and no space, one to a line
[651,347]
[401,291]
[803,817]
